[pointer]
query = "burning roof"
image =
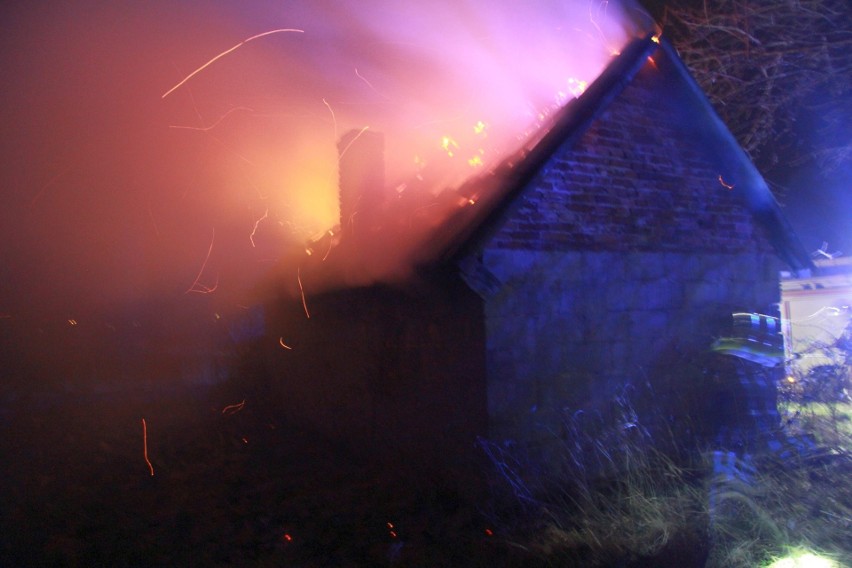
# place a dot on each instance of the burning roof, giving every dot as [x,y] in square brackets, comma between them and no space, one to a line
[165,148]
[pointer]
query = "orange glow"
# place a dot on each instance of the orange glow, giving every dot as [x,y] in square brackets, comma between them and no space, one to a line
[233,408]
[223,54]
[328,251]
[655,38]
[145,446]
[726,185]
[72,322]
[256,126]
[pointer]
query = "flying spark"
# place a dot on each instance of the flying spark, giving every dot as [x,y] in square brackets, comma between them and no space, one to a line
[727,185]
[201,288]
[369,84]
[363,130]
[256,223]
[302,291]
[153,221]
[215,124]
[233,408]
[224,53]
[145,446]
[333,118]
[282,344]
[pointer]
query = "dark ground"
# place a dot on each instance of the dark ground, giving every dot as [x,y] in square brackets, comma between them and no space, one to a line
[241,489]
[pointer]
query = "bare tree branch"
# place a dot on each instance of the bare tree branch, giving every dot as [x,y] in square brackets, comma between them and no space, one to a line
[763,62]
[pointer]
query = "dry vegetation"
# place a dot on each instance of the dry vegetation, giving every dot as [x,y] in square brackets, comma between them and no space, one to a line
[656,512]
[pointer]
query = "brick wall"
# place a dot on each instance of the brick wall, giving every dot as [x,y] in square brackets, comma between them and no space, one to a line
[620,267]
[640,178]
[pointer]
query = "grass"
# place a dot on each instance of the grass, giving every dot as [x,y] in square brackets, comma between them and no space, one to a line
[229,489]
[652,511]
[829,423]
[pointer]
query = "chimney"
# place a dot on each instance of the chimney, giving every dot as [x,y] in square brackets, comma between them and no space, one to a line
[361,167]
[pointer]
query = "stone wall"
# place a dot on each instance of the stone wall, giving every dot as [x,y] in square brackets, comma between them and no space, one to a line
[568,330]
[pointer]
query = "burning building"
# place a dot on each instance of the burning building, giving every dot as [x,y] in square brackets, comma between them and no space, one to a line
[606,254]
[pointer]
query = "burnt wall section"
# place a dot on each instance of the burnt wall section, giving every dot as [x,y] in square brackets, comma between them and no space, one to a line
[388,372]
[567,331]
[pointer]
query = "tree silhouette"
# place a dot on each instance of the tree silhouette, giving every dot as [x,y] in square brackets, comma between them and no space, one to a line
[766,64]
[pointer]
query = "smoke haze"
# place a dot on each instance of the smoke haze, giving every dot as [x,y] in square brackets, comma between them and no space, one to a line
[117,188]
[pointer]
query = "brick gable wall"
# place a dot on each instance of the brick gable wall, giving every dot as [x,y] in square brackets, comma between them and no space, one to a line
[620,266]
[640,179]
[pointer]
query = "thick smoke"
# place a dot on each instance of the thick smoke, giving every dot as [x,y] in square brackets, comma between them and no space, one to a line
[115,193]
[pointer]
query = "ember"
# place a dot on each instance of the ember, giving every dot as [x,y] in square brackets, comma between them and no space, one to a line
[145,446]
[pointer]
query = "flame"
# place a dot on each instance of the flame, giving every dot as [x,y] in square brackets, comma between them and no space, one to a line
[448,144]
[249,118]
